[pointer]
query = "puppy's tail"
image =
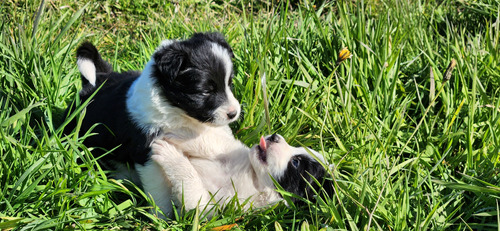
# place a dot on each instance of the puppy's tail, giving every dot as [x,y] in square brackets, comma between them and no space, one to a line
[90,64]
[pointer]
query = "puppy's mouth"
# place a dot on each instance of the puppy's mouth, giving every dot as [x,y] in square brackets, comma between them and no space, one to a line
[264,144]
[262,150]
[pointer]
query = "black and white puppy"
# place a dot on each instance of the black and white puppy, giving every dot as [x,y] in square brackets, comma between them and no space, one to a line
[244,172]
[184,92]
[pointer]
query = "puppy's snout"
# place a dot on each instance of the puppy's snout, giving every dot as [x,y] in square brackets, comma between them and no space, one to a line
[232,114]
[274,138]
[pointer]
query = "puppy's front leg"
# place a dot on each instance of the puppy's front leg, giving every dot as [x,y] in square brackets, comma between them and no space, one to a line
[184,180]
[206,144]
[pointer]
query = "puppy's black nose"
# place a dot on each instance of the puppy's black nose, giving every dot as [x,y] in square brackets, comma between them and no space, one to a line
[274,138]
[231,114]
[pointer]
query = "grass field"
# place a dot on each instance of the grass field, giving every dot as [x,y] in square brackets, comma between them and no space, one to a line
[411,151]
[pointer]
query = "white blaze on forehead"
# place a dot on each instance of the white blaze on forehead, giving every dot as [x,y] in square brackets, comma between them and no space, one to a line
[223,54]
[232,104]
[87,68]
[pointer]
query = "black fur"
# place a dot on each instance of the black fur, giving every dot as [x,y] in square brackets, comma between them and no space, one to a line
[299,178]
[107,110]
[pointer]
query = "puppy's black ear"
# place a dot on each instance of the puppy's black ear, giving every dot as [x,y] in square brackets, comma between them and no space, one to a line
[170,60]
[218,38]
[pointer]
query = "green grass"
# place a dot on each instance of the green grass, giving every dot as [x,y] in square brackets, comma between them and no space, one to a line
[410,151]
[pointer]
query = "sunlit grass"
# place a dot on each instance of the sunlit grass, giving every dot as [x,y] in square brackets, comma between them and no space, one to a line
[413,146]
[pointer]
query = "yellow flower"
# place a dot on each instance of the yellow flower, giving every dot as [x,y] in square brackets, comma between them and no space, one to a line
[343,55]
[449,70]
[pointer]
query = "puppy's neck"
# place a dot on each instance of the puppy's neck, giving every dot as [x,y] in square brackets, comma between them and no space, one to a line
[244,171]
[150,111]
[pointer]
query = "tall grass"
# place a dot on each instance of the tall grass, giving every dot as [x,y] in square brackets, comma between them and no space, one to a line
[409,150]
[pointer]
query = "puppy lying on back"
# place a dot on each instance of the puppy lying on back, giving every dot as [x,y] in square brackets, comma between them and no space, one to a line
[245,172]
[183,92]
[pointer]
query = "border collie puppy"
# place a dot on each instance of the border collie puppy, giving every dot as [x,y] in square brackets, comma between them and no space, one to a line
[183,92]
[244,172]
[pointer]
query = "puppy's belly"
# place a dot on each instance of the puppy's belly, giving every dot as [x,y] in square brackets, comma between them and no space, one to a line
[213,176]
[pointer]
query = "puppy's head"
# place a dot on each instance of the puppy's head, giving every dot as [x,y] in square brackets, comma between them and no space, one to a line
[195,75]
[292,167]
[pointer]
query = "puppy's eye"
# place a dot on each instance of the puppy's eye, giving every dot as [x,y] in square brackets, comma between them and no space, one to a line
[295,162]
[207,91]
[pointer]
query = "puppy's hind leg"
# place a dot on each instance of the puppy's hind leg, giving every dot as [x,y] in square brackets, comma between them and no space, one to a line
[156,185]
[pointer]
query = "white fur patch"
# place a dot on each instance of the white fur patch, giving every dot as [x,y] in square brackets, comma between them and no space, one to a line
[232,104]
[221,113]
[223,54]
[87,68]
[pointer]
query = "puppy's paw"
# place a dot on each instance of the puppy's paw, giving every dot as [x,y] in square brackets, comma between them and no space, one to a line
[161,148]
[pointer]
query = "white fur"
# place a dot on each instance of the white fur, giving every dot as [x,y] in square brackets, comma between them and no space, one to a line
[276,163]
[87,68]
[156,186]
